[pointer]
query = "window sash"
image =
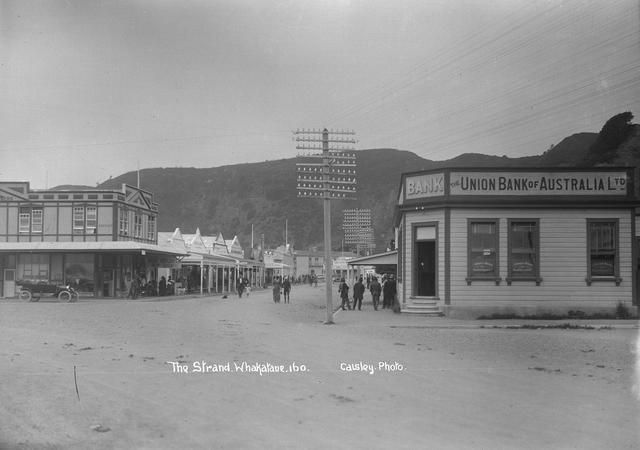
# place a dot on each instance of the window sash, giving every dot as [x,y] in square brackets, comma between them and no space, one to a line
[603,249]
[151,228]
[124,221]
[523,249]
[91,218]
[36,221]
[482,249]
[78,218]
[25,222]
[137,225]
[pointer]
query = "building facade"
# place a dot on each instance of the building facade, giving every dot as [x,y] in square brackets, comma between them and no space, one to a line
[474,242]
[95,240]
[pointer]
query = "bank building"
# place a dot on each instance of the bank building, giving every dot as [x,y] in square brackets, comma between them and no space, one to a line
[476,242]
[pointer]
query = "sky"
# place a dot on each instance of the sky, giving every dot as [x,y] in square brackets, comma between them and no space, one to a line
[91,89]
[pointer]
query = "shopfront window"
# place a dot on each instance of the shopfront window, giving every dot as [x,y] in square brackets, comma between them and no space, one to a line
[33,268]
[603,248]
[524,249]
[79,271]
[482,246]
[124,222]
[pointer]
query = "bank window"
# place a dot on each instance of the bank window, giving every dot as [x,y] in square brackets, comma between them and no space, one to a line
[24,220]
[36,220]
[151,228]
[602,247]
[92,219]
[78,219]
[482,244]
[524,250]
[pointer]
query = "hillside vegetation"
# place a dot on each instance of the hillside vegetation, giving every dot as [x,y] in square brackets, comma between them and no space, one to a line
[230,199]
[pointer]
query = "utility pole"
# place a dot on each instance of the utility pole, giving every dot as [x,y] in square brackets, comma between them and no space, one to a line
[334,177]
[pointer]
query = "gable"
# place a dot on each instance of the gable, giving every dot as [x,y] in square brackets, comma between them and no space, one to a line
[10,195]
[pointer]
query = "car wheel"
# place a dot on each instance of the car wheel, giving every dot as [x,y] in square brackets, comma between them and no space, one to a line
[26,296]
[64,296]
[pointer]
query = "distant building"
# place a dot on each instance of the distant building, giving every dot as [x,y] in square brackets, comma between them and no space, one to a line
[358,232]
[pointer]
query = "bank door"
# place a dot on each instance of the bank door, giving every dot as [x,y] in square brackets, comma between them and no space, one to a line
[425,262]
[9,285]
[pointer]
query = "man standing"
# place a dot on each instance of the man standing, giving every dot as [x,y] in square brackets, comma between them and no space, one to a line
[286,288]
[343,289]
[388,292]
[375,290]
[358,293]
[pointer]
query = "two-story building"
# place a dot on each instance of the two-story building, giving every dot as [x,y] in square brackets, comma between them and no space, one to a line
[93,239]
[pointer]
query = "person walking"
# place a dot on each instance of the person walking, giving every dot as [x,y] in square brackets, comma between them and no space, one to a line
[240,286]
[375,290]
[358,293]
[343,289]
[276,290]
[286,288]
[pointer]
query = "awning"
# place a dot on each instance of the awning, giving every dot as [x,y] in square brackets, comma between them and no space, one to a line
[387,258]
[276,266]
[92,246]
[205,258]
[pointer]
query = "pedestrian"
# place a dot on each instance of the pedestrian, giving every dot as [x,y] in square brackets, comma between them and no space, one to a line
[171,286]
[389,292]
[343,289]
[358,293]
[162,286]
[286,288]
[240,286]
[386,291]
[315,281]
[375,290]
[276,290]
[127,284]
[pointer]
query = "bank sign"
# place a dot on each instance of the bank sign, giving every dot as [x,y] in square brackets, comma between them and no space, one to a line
[538,183]
[422,186]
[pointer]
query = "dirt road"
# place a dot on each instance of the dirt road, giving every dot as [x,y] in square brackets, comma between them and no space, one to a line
[274,376]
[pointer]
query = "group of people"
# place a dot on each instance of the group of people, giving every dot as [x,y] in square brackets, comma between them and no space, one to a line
[139,286]
[243,285]
[281,286]
[388,289]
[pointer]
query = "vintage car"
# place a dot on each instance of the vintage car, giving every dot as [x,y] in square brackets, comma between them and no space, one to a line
[32,292]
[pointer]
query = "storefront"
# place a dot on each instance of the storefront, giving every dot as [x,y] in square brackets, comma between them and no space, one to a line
[94,269]
[475,242]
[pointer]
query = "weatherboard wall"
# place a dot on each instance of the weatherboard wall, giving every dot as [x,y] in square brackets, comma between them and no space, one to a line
[563,260]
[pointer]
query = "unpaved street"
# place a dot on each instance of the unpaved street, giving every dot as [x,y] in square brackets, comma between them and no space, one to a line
[426,383]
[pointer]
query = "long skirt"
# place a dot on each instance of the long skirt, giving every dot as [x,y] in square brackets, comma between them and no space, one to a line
[276,295]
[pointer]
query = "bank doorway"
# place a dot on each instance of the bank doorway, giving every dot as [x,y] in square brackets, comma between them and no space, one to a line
[425,262]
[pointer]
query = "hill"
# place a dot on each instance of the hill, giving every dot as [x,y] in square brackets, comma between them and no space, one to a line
[231,199]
